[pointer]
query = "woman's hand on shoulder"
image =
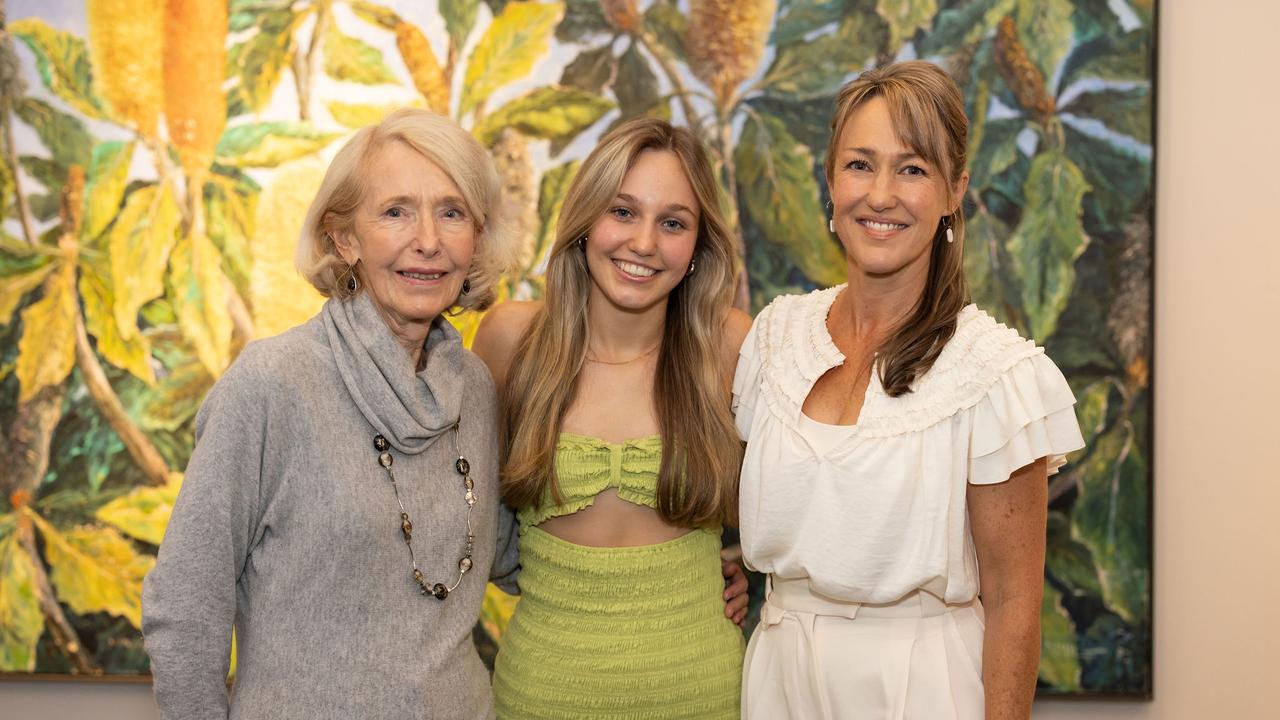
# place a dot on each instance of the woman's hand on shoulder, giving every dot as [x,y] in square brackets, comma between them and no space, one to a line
[499,335]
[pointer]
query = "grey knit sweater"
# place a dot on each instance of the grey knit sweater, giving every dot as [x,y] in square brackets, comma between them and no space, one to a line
[287,528]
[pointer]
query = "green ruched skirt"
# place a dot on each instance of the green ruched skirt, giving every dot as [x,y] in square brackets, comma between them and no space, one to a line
[635,632]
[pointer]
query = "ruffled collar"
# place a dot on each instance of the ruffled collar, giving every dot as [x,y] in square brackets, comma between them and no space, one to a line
[410,409]
[796,349]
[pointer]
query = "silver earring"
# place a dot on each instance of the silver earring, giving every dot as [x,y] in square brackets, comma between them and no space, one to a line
[692,266]
[582,243]
[831,223]
[466,286]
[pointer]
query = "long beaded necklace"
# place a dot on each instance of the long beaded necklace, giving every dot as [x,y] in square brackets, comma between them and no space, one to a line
[439,590]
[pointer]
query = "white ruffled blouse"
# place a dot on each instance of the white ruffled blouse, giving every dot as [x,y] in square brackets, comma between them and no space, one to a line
[881,511]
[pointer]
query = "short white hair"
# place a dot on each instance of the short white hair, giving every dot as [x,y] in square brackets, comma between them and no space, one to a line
[450,148]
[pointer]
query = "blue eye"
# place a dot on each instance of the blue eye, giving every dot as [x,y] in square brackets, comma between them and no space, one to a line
[858,165]
[673,224]
[621,212]
[914,170]
[395,212]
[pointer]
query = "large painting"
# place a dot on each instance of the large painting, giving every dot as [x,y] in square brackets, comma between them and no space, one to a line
[158,156]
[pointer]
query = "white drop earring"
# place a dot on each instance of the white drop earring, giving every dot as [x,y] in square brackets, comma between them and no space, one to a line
[951,237]
[831,225]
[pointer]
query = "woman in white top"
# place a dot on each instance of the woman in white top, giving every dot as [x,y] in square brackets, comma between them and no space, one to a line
[898,439]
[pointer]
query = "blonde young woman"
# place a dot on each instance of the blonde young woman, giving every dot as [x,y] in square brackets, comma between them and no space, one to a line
[621,454]
[898,442]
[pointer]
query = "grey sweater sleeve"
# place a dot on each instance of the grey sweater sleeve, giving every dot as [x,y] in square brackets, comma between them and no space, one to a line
[189,599]
[506,556]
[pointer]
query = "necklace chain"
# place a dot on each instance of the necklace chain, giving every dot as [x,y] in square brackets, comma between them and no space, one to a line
[439,590]
[592,358]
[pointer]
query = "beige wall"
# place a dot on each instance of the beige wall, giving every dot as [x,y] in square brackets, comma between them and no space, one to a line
[1217,574]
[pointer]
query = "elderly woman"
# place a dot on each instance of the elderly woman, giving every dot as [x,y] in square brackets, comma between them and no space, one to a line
[341,509]
[898,442]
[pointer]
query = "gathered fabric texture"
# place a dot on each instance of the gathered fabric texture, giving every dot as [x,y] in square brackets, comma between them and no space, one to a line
[617,632]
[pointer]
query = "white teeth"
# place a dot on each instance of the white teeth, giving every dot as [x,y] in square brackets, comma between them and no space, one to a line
[634,269]
[882,227]
[421,276]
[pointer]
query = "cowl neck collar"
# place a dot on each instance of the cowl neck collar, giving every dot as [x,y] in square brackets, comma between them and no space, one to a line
[411,409]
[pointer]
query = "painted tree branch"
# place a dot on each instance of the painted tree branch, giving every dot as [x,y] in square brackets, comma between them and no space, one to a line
[140,448]
[55,620]
[304,63]
[659,54]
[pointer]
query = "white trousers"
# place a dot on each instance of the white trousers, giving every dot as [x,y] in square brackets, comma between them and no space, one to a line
[816,658]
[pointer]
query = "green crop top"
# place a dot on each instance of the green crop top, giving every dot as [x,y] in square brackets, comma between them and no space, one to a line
[586,466]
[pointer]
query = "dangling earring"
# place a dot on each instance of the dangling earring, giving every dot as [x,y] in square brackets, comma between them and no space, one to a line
[352,283]
[582,243]
[831,222]
[951,236]
[831,225]
[692,266]
[466,286]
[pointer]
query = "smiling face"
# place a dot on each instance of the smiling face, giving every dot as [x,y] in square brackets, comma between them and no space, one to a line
[640,248]
[887,201]
[413,237]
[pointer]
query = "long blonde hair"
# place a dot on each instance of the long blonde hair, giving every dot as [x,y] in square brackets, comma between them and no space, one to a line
[701,454]
[927,110]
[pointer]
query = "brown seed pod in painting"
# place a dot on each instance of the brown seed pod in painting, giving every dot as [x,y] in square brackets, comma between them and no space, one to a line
[725,40]
[126,40]
[621,14]
[515,167]
[423,67]
[1020,73]
[1129,318]
[195,61]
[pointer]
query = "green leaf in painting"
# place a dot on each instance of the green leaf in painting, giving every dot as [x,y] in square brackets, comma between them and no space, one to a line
[1049,238]
[355,115]
[142,513]
[200,300]
[63,63]
[259,61]
[108,177]
[1067,560]
[668,26]
[547,112]
[47,172]
[353,60]
[636,86]
[245,14]
[176,399]
[132,353]
[512,43]
[983,235]
[1123,59]
[230,204]
[796,19]
[267,144]
[383,17]
[1120,176]
[962,24]
[996,151]
[21,622]
[1110,518]
[591,70]
[16,286]
[95,569]
[1045,29]
[775,179]
[47,349]
[1124,111]
[1092,409]
[554,186]
[65,136]
[1059,665]
[816,67]
[139,246]
[582,18]
[459,18]
[905,17]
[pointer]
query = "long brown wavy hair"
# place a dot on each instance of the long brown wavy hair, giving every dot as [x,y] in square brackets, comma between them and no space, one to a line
[697,481]
[927,111]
